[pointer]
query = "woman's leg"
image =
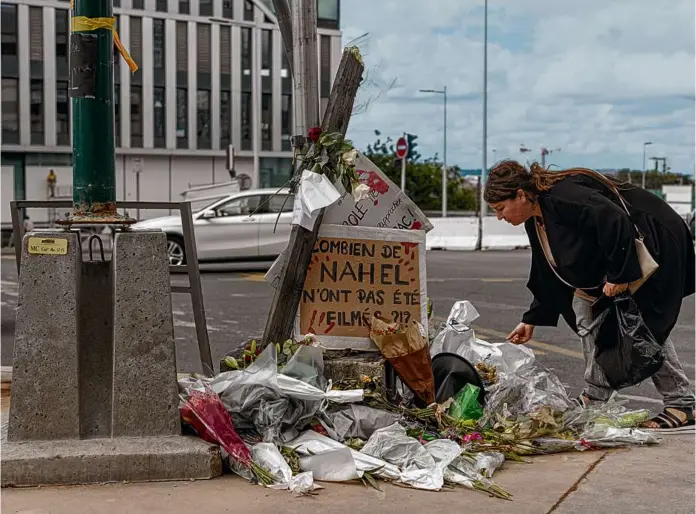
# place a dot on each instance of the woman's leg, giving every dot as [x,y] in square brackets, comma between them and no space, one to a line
[674,386]
[671,381]
[598,387]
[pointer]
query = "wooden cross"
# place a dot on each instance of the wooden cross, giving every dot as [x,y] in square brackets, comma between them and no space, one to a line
[300,41]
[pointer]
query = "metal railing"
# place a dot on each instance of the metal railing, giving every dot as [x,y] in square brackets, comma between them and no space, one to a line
[194,287]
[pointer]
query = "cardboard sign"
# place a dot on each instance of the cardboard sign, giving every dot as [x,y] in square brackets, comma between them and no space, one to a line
[358,272]
[48,246]
[385,207]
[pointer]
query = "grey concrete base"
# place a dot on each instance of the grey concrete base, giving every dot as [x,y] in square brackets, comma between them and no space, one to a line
[45,363]
[145,390]
[96,349]
[339,366]
[132,459]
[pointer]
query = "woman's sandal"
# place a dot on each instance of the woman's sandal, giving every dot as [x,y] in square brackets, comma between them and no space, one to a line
[668,422]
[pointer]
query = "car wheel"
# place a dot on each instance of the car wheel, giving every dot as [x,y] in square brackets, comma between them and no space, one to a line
[175,251]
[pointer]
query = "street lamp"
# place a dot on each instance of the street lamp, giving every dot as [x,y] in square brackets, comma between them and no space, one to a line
[443,92]
[645,145]
[484,164]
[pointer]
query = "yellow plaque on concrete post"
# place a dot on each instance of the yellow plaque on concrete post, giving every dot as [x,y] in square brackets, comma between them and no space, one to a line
[48,246]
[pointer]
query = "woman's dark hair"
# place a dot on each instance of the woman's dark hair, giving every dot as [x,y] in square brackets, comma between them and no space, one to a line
[508,176]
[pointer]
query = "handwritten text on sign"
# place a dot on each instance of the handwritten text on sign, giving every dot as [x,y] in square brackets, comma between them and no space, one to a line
[350,279]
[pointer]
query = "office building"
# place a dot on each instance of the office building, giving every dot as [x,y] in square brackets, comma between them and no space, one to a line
[212,73]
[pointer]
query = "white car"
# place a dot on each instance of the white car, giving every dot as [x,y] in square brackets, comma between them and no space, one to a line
[246,226]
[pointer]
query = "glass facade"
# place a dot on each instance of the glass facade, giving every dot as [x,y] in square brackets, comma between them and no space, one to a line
[202,68]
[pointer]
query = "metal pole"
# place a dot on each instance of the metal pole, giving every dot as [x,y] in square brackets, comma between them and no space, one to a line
[645,144]
[484,164]
[403,174]
[306,78]
[643,181]
[92,93]
[444,159]
[403,169]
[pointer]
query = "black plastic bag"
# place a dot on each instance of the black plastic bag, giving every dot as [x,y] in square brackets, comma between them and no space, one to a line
[626,350]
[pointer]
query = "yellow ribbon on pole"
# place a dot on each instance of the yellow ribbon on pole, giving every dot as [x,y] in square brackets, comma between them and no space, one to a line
[85,24]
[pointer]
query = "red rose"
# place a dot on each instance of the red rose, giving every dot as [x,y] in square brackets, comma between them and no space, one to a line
[314,134]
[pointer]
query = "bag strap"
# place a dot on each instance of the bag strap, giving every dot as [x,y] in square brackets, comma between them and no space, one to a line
[616,191]
[548,260]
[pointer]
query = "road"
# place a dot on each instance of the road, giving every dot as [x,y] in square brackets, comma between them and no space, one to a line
[237,301]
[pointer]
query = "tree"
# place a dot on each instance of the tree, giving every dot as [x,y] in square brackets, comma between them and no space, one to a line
[653,179]
[423,176]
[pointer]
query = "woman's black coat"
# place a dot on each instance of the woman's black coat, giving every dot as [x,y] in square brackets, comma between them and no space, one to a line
[591,237]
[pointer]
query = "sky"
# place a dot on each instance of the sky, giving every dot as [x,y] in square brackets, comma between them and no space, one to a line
[592,80]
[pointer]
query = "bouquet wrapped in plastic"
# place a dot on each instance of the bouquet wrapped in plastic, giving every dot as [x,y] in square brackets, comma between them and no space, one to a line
[204,411]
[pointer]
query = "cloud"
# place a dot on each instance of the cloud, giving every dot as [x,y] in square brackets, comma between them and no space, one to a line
[595,79]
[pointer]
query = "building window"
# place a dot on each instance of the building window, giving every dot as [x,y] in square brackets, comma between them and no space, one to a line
[246,58]
[181,118]
[225,50]
[246,121]
[117,114]
[205,8]
[266,53]
[117,55]
[9,29]
[136,116]
[203,118]
[161,5]
[117,3]
[328,13]
[266,121]
[325,67]
[285,122]
[10,110]
[203,48]
[136,41]
[36,34]
[37,112]
[62,33]
[225,87]
[138,4]
[184,7]
[246,50]
[62,113]
[181,53]
[228,9]
[225,119]
[158,41]
[160,117]
[248,10]
[286,104]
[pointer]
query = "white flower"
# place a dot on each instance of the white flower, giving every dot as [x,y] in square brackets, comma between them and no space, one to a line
[360,192]
[349,157]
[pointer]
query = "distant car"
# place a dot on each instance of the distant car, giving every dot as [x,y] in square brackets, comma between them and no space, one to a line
[239,227]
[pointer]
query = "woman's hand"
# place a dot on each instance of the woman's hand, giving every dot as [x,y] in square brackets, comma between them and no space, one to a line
[614,289]
[522,333]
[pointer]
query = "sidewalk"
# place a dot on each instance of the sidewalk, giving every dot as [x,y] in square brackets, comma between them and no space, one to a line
[636,480]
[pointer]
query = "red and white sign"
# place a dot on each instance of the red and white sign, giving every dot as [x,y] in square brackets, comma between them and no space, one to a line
[401,147]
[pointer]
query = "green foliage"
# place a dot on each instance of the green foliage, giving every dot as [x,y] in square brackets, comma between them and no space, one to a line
[423,176]
[653,179]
